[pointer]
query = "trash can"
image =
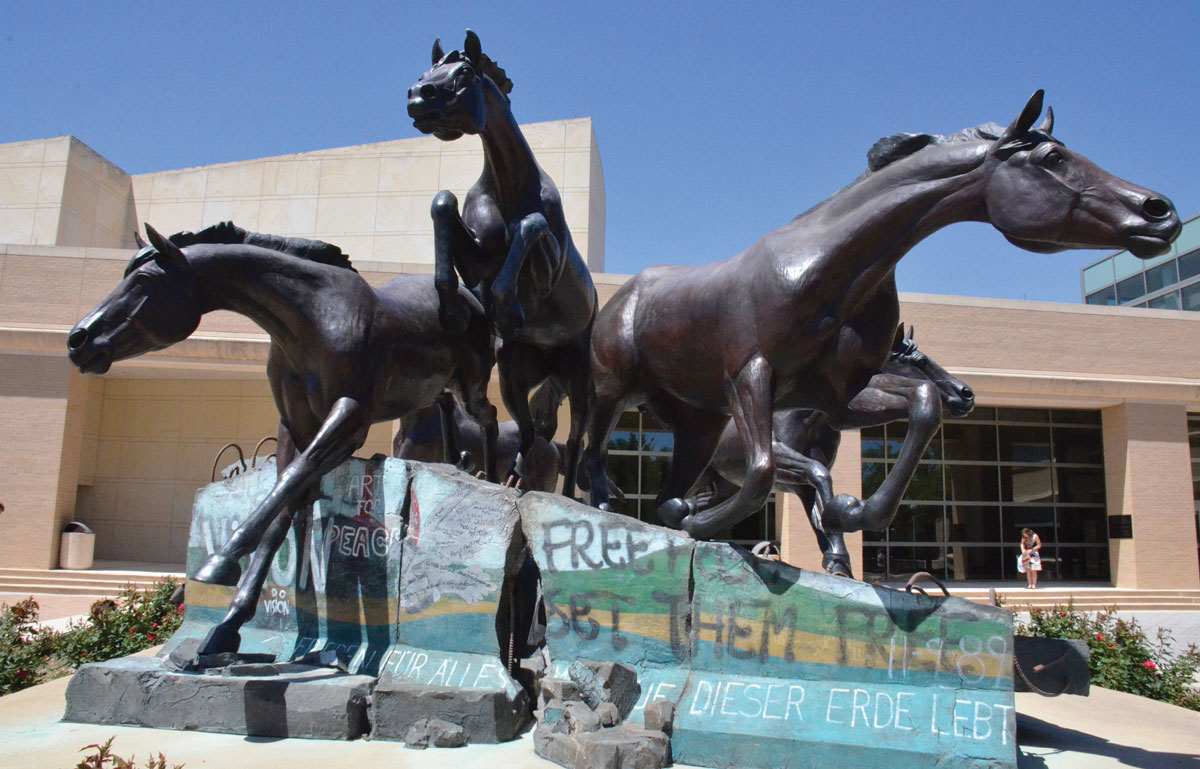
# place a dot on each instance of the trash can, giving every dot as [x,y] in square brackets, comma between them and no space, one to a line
[77,547]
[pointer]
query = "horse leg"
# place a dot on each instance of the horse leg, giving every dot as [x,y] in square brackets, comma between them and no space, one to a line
[697,434]
[886,398]
[451,454]
[751,397]
[343,431]
[605,410]
[823,446]
[480,409]
[224,637]
[577,374]
[520,368]
[533,242]
[454,247]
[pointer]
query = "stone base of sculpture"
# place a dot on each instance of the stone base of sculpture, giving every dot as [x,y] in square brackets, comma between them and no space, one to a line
[408,591]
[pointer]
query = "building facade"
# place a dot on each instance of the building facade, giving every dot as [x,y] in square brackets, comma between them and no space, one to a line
[1087,426]
[1167,282]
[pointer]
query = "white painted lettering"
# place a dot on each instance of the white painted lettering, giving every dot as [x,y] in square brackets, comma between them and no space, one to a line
[855,707]
[790,702]
[891,711]
[829,711]
[986,721]
[902,711]
[704,687]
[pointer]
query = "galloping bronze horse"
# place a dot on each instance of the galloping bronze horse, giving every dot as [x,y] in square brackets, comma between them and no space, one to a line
[811,434]
[343,356]
[511,245]
[805,317]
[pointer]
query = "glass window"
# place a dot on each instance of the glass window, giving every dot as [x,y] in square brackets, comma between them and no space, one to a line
[972,523]
[1075,416]
[1076,563]
[1126,264]
[1168,301]
[872,476]
[1078,524]
[872,442]
[1131,289]
[1106,296]
[1189,265]
[918,523]
[898,431]
[1191,297]
[1040,519]
[623,470]
[1078,446]
[926,484]
[1080,484]
[1189,238]
[1020,443]
[974,443]
[972,483]
[981,414]
[1099,274]
[978,563]
[1161,276]
[1026,484]
[1023,415]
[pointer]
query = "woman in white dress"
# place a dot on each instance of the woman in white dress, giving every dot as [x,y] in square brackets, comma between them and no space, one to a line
[1030,561]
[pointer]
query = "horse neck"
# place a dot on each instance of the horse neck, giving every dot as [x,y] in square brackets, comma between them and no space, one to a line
[508,162]
[872,223]
[273,290]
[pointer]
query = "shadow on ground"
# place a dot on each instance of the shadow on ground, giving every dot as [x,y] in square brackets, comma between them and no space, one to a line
[1044,738]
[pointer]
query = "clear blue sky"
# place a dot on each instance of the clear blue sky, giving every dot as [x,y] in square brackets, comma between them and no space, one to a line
[716,123]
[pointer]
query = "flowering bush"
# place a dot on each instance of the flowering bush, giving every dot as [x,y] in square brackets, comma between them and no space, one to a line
[1122,655]
[104,758]
[30,654]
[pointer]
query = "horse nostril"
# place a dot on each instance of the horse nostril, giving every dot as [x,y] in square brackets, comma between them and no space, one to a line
[77,338]
[428,92]
[967,392]
[1156,208]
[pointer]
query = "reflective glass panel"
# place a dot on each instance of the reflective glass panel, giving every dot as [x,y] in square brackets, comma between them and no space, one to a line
[926,484]
[976,563]
[1019,443]
[972,483]
[1189,265]
[967,442]
[1025,485]
[1078,563]
[1040,519]
[1106,296]
[1168,301]
[1079,484]
[872,442]
[872,476]
[1130,289]
[1126,264]
[1190,297]
[974,523]
[1100,274]
[1161,276]
[1078,446]
[1082,524]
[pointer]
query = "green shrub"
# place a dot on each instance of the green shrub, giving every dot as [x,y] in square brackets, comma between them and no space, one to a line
[25,648]
[104,758]
[136,620]
[1122,656]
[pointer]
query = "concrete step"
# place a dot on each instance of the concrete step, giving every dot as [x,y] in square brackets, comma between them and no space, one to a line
[85,582]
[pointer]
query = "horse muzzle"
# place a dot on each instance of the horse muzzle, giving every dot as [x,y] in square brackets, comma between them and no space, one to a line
[88,357]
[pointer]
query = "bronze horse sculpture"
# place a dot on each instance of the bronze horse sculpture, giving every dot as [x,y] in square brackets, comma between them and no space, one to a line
[804,318]
[343,356]
[510,245]
[810,433]
[444,433]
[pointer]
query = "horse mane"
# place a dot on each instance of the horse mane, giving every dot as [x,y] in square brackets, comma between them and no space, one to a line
[301,248]
[495,74]
[897,146]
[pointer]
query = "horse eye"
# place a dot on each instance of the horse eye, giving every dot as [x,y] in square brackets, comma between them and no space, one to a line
[1053,158]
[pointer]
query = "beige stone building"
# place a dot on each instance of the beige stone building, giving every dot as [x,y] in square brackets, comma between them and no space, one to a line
[1082,425]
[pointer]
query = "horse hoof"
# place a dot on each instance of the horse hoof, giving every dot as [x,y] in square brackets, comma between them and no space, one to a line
[674,511]
[604,507]
[837,568]
[219,570]
[220,640]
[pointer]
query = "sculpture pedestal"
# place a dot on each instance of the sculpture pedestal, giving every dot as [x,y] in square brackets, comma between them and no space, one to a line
[413,575]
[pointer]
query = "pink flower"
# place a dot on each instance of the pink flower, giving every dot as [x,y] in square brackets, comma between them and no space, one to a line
[23,674]
[180,609]
[150,636]
[1099,636]
[1149,665]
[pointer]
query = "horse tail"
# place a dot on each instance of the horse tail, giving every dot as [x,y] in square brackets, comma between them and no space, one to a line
[543,407]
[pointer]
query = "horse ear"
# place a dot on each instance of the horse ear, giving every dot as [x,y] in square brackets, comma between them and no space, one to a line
[1024,121]
[1047,124]
[899,339]
[437,51]
[473,50]
[911,331]
[137,238]
[168,252]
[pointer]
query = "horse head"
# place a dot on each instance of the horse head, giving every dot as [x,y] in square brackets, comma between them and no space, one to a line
[1045,198]
[154,306]
[907,361]
[451,99]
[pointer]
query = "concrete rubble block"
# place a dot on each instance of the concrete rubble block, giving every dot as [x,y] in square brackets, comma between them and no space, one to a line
[579,718]
[463,541]
[297,701]
[601,682]
[332,581]
[615,588]
[659,716]
[473,691]
[434,732]
[786,661]
[608,714]
[622,747]
[557,689]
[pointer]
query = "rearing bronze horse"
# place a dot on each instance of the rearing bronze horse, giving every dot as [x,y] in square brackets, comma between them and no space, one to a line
[805,317]
[511,245]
